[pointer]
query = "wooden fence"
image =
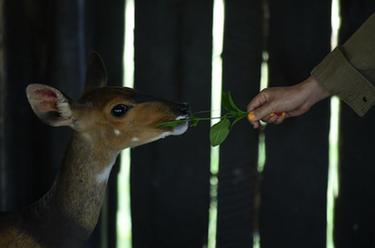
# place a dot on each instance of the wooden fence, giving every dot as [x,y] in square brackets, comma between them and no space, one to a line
[170,180]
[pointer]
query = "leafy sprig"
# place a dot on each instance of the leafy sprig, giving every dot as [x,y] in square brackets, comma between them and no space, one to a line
[220,131]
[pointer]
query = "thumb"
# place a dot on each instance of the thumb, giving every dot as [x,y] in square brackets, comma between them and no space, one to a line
[262,112]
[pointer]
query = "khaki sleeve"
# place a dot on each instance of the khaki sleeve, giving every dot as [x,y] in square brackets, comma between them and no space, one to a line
[349,71]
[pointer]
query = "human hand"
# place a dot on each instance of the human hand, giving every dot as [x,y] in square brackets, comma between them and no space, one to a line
[275,104]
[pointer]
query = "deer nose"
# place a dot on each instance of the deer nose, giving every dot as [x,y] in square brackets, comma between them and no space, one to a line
[183,109]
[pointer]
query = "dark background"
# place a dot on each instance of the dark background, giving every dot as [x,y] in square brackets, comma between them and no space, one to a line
[47,41]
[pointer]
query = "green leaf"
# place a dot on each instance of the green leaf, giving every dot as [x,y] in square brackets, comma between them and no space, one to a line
[171,124]
[225,102]
[238,118]
[228,103]
[194,122]
[219,132]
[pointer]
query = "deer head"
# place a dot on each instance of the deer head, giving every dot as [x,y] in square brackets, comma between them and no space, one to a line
[117,117]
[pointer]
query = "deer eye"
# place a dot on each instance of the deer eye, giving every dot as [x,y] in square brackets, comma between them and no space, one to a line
[119,110]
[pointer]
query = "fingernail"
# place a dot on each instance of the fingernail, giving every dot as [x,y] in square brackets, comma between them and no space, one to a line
[273,114]
[251,117]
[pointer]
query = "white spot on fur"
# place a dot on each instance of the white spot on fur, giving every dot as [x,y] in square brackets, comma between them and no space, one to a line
[182,117]
[86,136]
[181,128]
[103,175]
[177,131]
[161,136]
[135,139]
[116,132]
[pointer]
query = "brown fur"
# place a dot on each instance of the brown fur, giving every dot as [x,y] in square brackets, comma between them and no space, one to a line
[68,213]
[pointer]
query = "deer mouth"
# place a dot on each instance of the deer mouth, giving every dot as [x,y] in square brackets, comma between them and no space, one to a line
[182,128]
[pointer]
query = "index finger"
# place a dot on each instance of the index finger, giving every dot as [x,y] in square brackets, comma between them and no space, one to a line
[257,101]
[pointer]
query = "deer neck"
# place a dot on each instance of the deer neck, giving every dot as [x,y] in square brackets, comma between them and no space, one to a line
[81,184]
[71,208]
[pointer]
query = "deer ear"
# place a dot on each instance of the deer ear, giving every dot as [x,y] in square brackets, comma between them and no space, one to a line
[96,76]
[50,105]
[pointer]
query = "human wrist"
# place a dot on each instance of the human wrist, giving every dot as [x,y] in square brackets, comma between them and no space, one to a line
[313,90]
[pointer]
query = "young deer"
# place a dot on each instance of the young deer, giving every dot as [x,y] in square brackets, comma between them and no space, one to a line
[104,120]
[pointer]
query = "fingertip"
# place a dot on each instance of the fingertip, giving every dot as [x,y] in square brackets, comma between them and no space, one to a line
[251,117]
[273,119]
[255,125]
[281,118]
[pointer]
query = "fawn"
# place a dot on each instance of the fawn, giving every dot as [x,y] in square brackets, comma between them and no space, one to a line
[104,120]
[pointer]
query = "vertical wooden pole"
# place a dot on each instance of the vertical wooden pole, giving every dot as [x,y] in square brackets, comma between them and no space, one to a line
[3,182]
[242,55]
[170,178]
[293,200]
[355,209]
[104,33]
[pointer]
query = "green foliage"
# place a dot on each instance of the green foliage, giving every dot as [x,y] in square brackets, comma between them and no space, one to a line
[172,124]
[228,103]
[220,131]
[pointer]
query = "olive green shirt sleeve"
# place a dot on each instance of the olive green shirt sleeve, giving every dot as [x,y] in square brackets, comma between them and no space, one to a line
[349,71]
